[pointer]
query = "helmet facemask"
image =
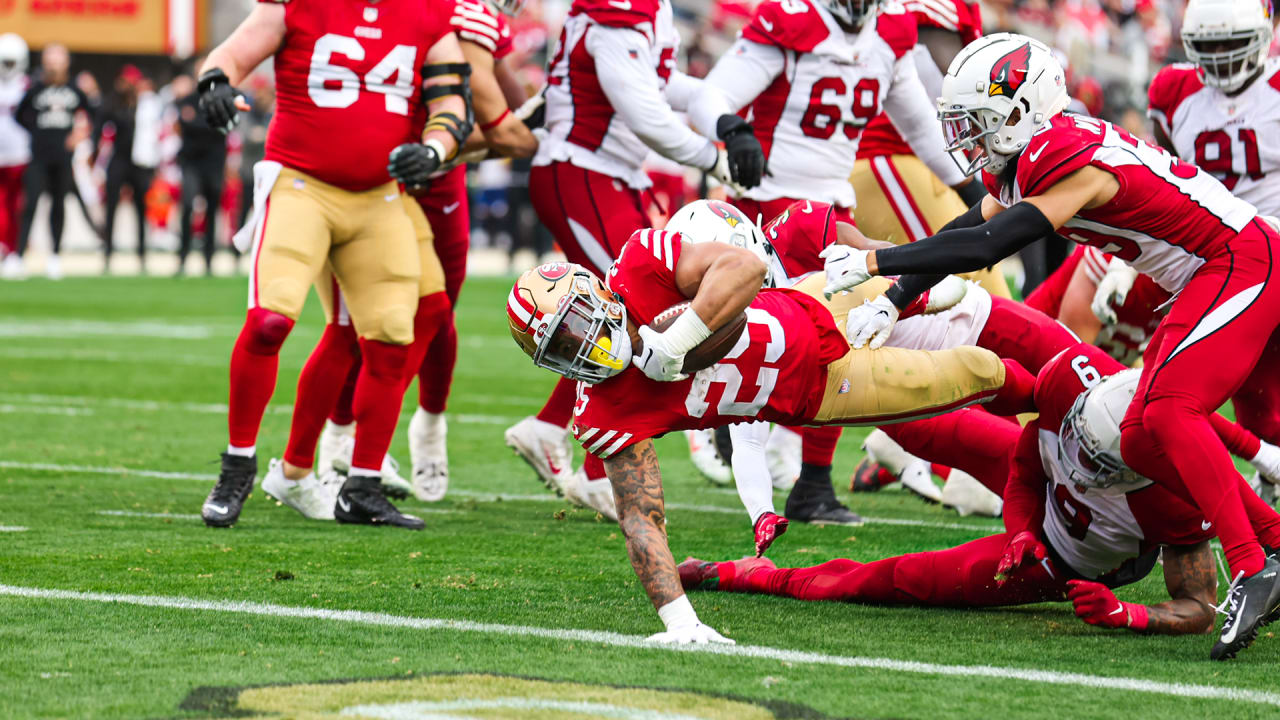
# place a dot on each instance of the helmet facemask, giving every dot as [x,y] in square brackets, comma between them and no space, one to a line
[510,8]
[1228,60]
[851,13]
[1088,461]
[586,339]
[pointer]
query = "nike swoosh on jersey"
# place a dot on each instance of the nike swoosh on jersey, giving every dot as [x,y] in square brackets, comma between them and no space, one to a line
[1205,524]
[766,24]
[621,4]
[448,209]
[1033,156]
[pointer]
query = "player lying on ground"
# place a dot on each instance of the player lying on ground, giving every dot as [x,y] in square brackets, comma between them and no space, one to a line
[1002,99]
[1079,523]
[774,355]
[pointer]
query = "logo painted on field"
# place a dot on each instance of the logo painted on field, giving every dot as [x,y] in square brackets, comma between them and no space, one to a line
[480,696]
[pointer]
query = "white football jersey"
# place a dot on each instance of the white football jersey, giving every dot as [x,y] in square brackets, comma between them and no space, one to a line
[823,86]
[15,143]
[1234,138]
[582,125]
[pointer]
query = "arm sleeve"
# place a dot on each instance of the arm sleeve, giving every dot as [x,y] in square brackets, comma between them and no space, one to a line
[912,112]
[682,91]
[1239,441]
[750,470]
[625,68]
[909,287]
[967,249]
[1024,493]
[741,74]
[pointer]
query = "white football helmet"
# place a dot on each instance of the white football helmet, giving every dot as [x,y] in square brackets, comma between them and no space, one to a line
[998,91]
[717,221]
[14,55]
[565,318]
[851,13]
[1089,438]
[511,8]
[1228,39]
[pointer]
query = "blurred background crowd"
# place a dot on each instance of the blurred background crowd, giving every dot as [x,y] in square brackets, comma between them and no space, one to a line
[118,173]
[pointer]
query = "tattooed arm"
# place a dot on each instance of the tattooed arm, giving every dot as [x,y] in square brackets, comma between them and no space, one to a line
[1192,580]
[637,491]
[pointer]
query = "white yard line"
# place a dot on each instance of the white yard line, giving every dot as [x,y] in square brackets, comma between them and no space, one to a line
[65,328]
[1002,674]
[165,515]
[12,528]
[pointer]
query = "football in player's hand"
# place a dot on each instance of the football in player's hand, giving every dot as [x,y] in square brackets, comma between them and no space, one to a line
[709,351]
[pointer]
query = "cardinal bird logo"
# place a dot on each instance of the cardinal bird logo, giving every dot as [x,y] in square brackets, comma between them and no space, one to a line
[1010,72]
[730,214]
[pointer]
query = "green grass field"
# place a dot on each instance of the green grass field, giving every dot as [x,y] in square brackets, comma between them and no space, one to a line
[116,601]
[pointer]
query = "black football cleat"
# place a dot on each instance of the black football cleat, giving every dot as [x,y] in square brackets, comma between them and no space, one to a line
[870,476]
[235,482]
[813,499]
[361,501]
[1251,604]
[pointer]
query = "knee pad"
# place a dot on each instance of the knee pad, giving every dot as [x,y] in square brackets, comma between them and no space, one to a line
[266,330]
[394,327]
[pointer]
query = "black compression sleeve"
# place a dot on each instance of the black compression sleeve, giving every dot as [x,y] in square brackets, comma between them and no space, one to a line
[909,287]
[969,218]
[967,249]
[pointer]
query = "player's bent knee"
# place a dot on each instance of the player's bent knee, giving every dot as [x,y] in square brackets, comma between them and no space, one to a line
[385,361]
[283,295]
[266,330]
[394,326]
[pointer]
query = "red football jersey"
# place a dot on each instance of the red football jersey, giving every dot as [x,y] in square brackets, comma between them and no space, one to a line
[476,22]
[776,371]
[1106,534]
[797,235]
[348,85]
[1168,218]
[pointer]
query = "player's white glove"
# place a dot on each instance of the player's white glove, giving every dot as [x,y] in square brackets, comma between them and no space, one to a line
[657,360]
[720,171]
[683,626]
[1267,462]
[872,320]
[533,112]
[846,267]
[1113,290]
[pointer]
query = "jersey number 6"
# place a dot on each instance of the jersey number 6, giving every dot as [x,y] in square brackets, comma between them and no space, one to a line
[335,86]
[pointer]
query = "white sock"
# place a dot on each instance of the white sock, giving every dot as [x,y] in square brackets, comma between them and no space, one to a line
[348,429]
[365,472]
[242,451]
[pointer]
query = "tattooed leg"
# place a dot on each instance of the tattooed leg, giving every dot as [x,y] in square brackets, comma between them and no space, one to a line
[637,491]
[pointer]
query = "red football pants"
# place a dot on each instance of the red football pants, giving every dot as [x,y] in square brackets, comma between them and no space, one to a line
[10,205]
[962,576]
[591,216]
[1213,338]
[449,213]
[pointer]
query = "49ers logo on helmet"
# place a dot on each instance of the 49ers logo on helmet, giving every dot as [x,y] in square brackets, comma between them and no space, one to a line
[1010,71]
[553,271]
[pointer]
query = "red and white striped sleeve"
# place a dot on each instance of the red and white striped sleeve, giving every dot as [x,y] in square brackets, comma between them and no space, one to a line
[474,21]
[1094,263]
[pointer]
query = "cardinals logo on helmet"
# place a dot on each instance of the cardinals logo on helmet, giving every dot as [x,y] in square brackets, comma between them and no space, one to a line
[731,214]
[1010,71]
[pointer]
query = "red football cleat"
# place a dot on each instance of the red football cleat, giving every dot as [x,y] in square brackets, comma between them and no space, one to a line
[869,476]
[768,527]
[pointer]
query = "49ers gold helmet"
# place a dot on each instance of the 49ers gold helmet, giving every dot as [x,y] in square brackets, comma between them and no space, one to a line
[565,318]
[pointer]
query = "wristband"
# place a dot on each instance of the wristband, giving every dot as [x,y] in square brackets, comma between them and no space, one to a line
[1138,617]
[437,147]
[678,613]
[1266,457]
[686,332]
[486,127]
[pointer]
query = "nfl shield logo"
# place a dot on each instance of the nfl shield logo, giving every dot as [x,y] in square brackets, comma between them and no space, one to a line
[844,387]
[370,14]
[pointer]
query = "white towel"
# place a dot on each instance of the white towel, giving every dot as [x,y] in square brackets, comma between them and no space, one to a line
[265,174]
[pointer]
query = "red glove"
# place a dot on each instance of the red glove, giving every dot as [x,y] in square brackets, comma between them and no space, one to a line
[768,527]
[1023,548]
[1097,605]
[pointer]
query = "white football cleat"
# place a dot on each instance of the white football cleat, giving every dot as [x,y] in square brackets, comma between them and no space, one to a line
[53,267]
[13,268]
[782,455]
[429,455]
[964,494]
[337,442]
[309,496]
[1264,488]
[545,447]
[593,494]
[915,474]
[705,457]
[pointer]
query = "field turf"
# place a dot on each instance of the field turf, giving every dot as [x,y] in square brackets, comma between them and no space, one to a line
[116,601]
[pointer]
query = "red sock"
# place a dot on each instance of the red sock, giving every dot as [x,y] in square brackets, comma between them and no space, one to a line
[940,470]
[436,374]
[1262,517]
[559,407]
[319,385]
[971,439]
[828,581]
[1240,442]
[255,360]
[343,414]
[432,314]
[593,467]
[379,395]
[818,444]
[1016,396]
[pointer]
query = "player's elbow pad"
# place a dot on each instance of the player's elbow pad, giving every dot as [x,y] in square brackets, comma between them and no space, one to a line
[459,128]
[967,249]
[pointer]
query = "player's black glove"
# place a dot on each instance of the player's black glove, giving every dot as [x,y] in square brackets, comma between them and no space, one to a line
[746,157]
[972,192]
[413,164]
[217,101]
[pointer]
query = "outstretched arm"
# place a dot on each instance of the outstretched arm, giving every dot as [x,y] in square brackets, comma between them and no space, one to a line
[1192,581]
[637,491]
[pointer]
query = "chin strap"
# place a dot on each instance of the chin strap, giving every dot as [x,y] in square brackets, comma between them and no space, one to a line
[458,128]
